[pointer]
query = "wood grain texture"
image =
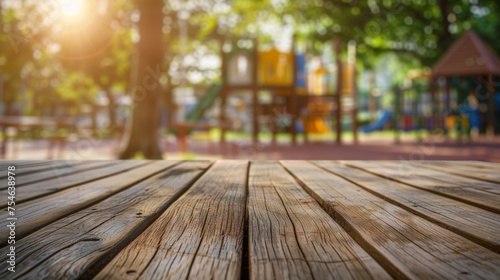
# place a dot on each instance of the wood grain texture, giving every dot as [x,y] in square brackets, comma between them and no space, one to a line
[72,246]
[448,177]
[474,223]
[199,236]
[442,176]
[54,185]
[455,187]
[23,163]
[482,165]
[489,175]
[292,237]
[58,172]
[40,167]
[407,245]
[44,210]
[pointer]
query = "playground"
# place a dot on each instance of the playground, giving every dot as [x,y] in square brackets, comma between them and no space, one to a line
[265,94]
[289,93]
[277,104]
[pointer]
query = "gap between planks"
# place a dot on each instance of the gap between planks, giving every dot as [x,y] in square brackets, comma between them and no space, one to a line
[39,189]
[209,246]
[44,210]
[462,189]
[406,245]
[476,224]
[292,237]
[79,245]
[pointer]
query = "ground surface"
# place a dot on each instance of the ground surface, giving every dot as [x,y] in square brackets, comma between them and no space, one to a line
[381,148]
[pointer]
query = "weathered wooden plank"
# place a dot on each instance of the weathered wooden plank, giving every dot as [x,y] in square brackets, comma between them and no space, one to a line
[292,237]
[39,189]
[42,166]
[471,163]
[55,172]
[44,210]
[22,162]
[75,246]
[489,175]
[474,223]
[458,188]
[493,188]
[58,172]
[199,236]
[407,245]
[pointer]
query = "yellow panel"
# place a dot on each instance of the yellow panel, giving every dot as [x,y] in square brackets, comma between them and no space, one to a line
[347,79]
[318,83]
[275,68]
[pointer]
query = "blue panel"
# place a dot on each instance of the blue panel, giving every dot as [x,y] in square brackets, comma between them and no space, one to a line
[301,71]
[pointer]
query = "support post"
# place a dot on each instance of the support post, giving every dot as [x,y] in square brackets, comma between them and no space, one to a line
[255,92]
[293,93]
[447,102]
[338,100]
[491,103]
[397,114]
[222,113]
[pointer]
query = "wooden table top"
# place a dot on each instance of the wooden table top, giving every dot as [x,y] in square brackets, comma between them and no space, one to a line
[258,220]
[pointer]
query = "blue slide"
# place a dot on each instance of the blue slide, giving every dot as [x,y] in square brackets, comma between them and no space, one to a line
[385,117]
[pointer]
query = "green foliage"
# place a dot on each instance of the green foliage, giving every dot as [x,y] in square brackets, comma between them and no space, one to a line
[52,59]
[47,58]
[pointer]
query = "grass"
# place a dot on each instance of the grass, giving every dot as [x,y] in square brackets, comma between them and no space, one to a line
[267,136]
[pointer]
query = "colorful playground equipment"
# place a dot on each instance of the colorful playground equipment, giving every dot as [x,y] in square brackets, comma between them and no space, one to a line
[385,118]
[314,122]
[412,111]
[463,85]
[299,98]
[459,95]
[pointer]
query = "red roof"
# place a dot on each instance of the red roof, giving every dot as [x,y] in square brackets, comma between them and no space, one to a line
[468,56]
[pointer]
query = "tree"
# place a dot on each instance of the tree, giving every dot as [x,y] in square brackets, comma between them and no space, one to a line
[16,52]
[142,134]
[101,48]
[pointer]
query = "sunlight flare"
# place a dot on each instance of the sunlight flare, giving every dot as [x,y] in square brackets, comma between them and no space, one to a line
[71,8]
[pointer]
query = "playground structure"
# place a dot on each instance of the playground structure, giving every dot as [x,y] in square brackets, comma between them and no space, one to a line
[293,98]
[468,68]
[278,92]
[459,95]
[274,92]
[412,109]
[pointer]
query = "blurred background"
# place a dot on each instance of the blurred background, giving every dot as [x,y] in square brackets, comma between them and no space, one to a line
[267,79]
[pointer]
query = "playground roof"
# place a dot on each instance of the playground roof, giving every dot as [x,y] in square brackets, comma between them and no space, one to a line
[468,56]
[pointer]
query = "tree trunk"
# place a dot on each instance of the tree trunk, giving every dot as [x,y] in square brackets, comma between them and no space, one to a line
[445,39]
[111,107]
[143,130]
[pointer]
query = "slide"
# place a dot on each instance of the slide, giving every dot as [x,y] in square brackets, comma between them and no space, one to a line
[205,102]
[385,117]
[315,125]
